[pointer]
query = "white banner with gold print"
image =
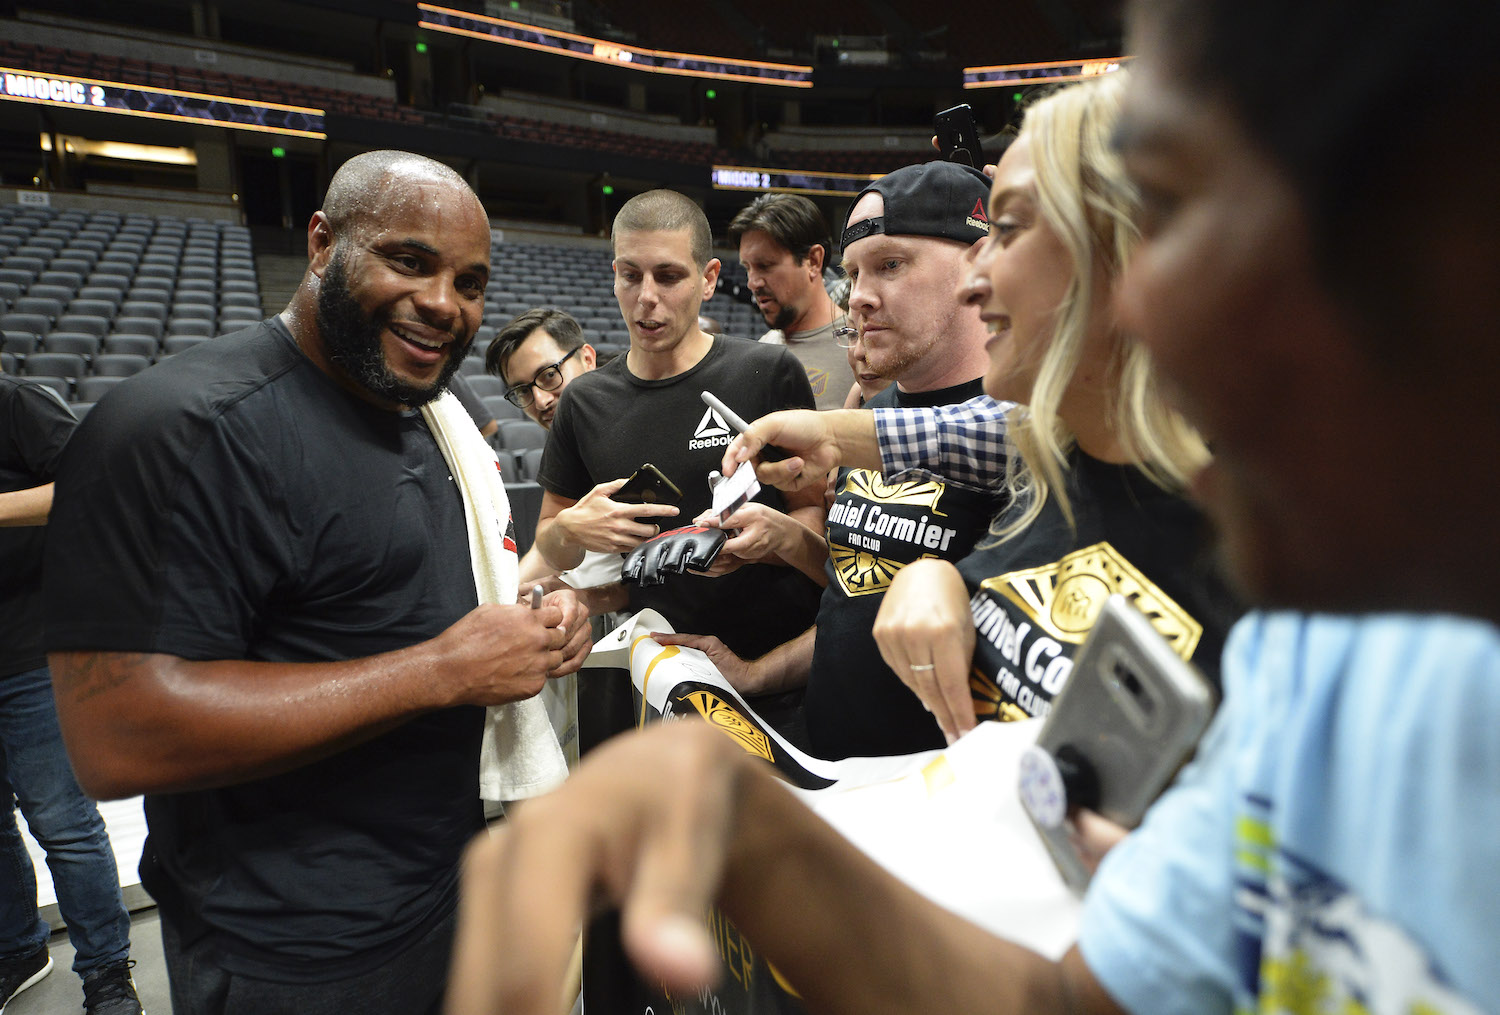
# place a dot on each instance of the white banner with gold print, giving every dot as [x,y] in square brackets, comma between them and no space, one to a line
[949,823]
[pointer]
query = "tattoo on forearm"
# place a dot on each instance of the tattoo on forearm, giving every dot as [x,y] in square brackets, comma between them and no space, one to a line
[88,676]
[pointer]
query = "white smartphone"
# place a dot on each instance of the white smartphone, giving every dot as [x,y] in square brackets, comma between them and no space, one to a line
[1128,717]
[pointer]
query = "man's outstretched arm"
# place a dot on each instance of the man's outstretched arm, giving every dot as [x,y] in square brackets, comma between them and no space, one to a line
[845,933]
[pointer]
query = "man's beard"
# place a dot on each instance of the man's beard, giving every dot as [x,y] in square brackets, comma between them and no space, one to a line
[351,338]
[784,317]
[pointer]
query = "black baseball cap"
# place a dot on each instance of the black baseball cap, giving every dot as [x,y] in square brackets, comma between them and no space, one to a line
[943,199]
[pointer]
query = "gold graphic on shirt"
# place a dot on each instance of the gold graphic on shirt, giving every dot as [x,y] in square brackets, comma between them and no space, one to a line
[860,572]
[916,492]
[718,712]
[990,703]
[1064,599]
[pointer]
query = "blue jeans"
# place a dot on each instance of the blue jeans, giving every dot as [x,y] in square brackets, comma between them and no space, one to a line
[35,773]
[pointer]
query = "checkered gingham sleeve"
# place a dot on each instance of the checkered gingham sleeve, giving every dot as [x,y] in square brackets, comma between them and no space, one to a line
[962,443]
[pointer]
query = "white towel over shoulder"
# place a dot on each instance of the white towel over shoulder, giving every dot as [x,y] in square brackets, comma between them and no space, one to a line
[520,756]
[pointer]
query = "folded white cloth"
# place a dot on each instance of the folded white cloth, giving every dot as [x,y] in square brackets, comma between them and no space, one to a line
[520,756]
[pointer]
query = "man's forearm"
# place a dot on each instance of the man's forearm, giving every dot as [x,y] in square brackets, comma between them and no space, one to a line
[805,548]
[150,723]
[534,567]
[142,722]
[792,884]
[786,666]
[602,599]
[853,431]
[554,546]
[26,507]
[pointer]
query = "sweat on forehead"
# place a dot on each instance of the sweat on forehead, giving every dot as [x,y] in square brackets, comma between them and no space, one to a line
[369,182]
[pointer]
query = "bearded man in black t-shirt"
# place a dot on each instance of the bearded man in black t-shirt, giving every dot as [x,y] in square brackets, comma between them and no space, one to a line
[904,247]
[262,614]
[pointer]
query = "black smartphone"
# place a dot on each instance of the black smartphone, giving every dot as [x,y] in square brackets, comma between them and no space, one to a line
[1129,715]
[958,136]
[648,485]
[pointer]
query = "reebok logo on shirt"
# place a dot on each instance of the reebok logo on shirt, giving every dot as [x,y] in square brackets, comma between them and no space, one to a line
[712,432]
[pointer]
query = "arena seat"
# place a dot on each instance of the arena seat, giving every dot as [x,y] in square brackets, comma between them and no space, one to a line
[190,326]
[56,364]
[70,281]
[150,307]
[45,306]
[18,343]
[520,434]
[104,294]
[137,325]
[36,324]
[136,345]
[91,389]
[81,307]
[77,342]
[93,324]
[486,385]
[530,461]
[189,311]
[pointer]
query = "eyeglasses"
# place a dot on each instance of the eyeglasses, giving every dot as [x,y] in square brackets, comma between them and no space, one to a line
[547,378]
[845,337]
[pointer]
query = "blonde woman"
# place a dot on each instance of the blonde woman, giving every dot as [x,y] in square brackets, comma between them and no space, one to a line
[1093,460]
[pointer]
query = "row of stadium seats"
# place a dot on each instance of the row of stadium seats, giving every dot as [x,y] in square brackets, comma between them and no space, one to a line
[93,294]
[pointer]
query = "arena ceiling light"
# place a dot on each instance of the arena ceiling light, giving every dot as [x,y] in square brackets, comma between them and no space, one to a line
[1055,72]
[123,150]
[583,47]
[92,94]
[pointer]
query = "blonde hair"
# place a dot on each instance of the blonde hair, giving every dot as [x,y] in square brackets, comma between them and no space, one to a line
[1086,199]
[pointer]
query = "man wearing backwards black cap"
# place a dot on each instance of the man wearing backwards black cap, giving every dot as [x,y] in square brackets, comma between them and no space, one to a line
[903,245]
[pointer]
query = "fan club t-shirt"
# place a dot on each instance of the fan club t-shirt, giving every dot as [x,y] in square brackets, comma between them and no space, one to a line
[855,704]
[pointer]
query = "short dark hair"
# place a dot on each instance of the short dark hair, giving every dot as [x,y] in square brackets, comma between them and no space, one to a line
[665,211]
[561,325]
[791,220]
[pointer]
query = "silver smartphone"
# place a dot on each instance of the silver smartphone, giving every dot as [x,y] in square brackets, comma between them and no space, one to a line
[1129,715]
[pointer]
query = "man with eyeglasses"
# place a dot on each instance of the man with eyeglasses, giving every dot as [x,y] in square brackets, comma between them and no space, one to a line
[537,355]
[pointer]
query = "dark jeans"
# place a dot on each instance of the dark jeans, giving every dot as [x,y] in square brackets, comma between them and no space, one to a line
[35,773]
[408,984]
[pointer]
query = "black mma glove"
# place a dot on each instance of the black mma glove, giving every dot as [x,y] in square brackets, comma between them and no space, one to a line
[692,547]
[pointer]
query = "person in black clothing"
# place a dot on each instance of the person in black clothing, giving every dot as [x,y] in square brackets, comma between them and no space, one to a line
[1095,462]
[35,426]
[262,613]
[645,407]
[912,229]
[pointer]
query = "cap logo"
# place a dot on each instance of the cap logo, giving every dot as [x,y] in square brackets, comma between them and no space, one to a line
[977,218]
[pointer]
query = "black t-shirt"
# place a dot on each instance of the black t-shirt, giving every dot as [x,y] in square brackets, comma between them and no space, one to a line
[1035,596]
[855,704]
[34,427]
[610,422]
[234,502]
